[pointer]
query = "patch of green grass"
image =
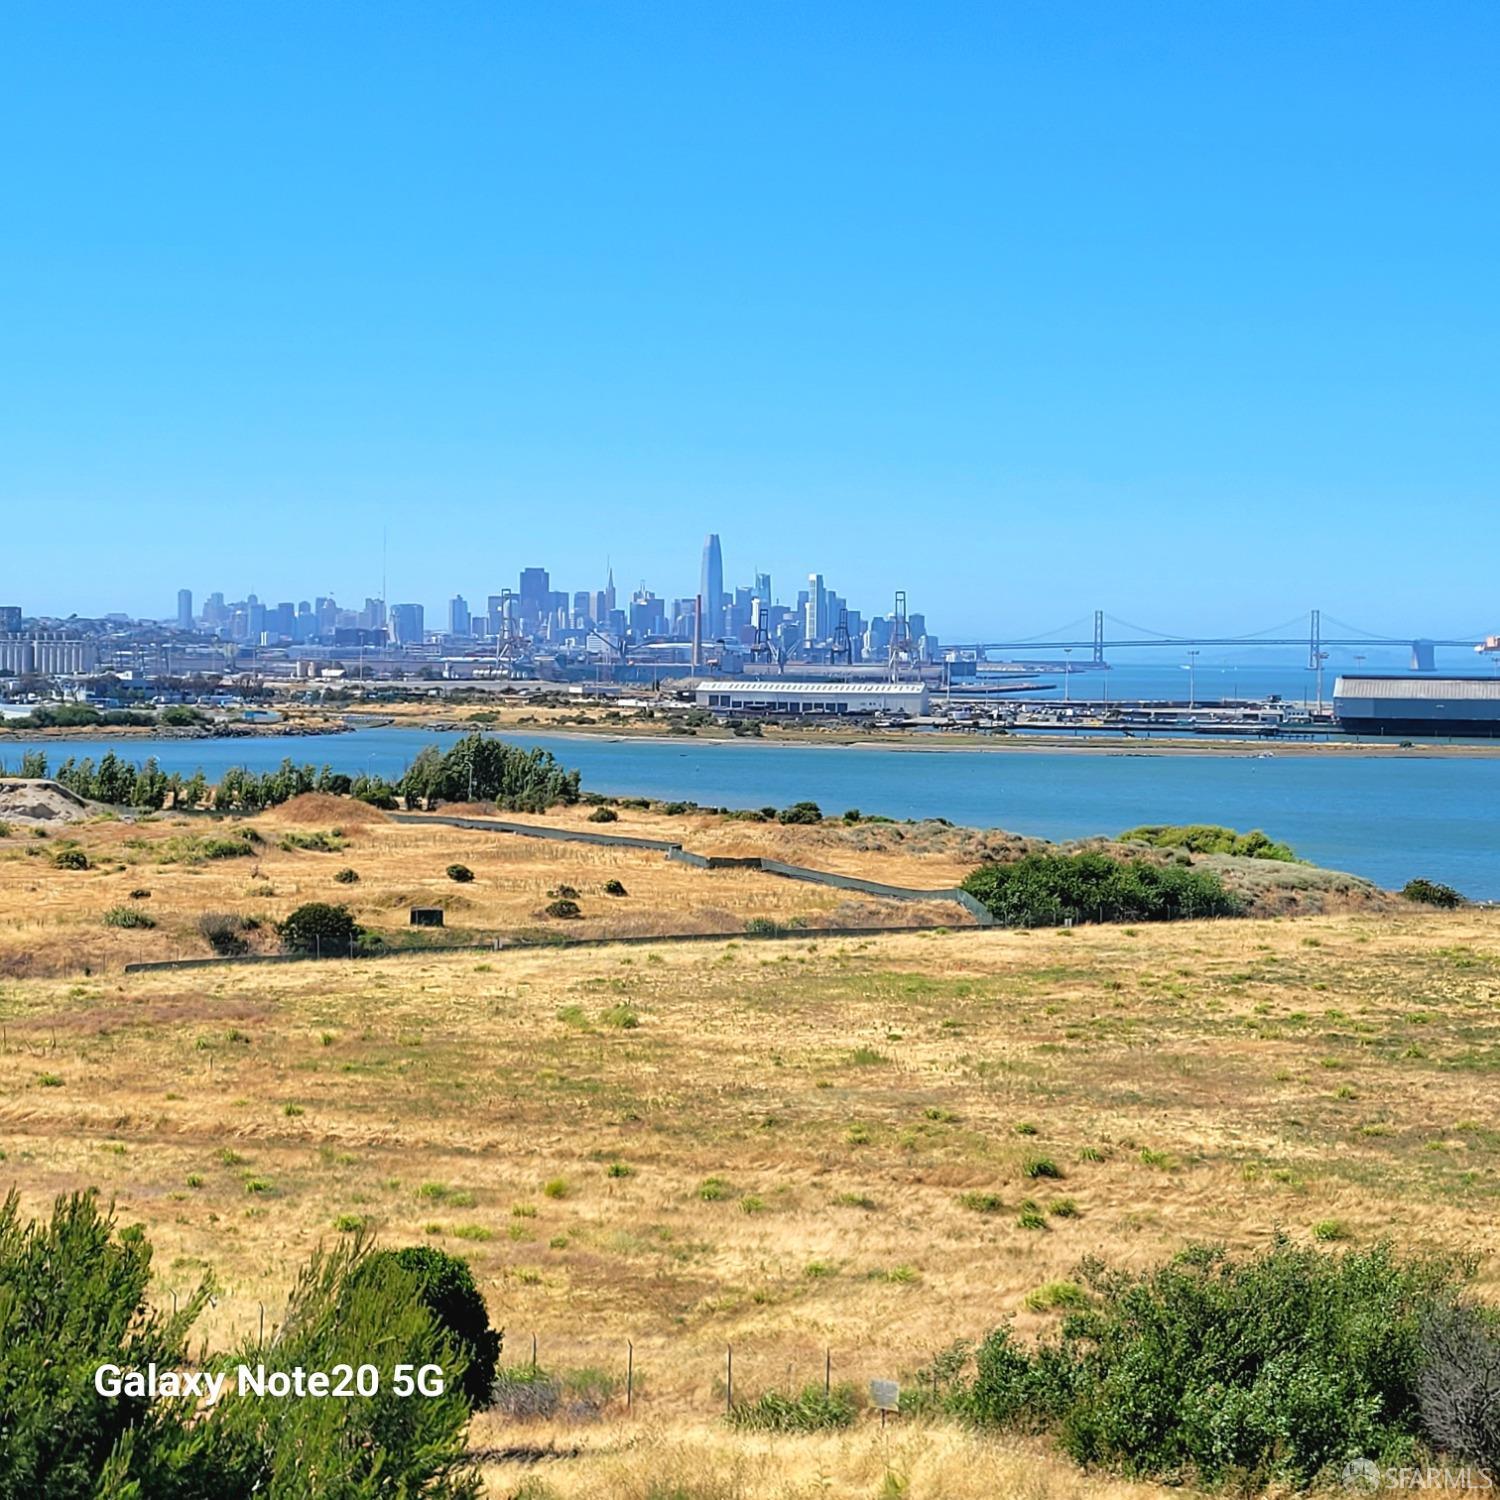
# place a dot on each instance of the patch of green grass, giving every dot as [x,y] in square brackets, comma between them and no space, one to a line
[1053,1295]
[981,1202]
[556,1187]
[1040,1166]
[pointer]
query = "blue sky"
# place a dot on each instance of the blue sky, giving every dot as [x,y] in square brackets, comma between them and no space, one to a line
[1186,311]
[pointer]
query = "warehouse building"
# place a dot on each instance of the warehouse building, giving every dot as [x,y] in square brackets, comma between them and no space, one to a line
[1390,704]
[753,696]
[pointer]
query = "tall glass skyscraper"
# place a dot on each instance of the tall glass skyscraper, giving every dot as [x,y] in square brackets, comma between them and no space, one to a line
[711,586]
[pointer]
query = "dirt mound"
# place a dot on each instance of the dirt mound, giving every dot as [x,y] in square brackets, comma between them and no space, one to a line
[40,802]
[319,809]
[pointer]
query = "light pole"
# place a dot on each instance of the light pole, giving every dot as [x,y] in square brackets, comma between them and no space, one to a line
[1192,680]
[1067,668]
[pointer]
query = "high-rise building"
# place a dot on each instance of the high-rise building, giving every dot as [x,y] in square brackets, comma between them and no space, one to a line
[711,587]
[535,588]
[815,624]
[10,619]
[406,624]
[458,616]
[184,609]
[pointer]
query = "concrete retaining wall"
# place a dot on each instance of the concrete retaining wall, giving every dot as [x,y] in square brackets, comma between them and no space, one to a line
[681,856]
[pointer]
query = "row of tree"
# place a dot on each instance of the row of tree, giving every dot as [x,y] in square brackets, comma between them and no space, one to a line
[475,769]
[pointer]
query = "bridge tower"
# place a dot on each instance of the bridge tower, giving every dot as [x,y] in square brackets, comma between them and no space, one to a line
[1316,655]
[901,651]
[1098,637]
[843,643]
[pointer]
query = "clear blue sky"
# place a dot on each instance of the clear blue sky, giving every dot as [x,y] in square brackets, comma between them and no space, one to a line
[1184,310]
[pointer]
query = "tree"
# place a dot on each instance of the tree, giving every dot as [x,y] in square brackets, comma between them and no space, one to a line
[446,1287]
[319,927]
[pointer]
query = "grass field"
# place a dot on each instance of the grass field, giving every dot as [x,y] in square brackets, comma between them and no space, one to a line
[792,1147]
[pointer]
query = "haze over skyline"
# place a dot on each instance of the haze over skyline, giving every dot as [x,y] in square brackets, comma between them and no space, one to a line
[1188,313]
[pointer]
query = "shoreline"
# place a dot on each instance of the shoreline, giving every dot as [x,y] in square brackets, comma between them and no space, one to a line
[905,742]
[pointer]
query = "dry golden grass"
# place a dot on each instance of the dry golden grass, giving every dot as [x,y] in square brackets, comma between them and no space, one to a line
[1189,1082]
[52,922]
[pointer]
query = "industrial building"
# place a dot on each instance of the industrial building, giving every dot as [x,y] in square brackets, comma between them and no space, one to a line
[761,696]
[1392,704]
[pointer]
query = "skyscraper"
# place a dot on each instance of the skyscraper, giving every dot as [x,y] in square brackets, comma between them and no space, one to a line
[184,609]
[815,626]
[711,587]
[458,615]
[406,624]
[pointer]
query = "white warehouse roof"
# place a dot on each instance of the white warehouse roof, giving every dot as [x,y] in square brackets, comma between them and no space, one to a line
[760,687]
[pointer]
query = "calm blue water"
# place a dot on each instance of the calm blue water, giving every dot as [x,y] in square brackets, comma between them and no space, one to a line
[1386,819]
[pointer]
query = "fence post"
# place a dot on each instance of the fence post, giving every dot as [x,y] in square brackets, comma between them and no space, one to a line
[629,1377]
[262,1337]
[827,1371]
[533,1352]
[729,1380]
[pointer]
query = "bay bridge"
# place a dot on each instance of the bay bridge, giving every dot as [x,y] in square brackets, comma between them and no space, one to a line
[1106,636]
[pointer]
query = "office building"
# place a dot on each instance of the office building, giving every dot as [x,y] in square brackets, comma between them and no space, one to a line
[406,624]
[459,622]
[184,609]
[711,587]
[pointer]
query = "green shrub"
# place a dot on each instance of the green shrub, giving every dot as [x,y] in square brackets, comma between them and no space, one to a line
[615,888]
[346,876]
[447,1290]
[565,892]
[1431,893]
[320,928]
[1266,1370]
[74,1297]
[128,916]
[1050,889]
[1208,838]
[562,909]
[71,859]
[604,815]
[313,842]
[461,873]
[800,812]
[810,1410]
[222,930]
[764,927]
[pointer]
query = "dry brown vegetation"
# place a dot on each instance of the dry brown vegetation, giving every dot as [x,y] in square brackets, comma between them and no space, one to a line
[790,1146]
[52,922]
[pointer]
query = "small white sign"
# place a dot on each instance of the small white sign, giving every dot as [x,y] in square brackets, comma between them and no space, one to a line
[885,1395]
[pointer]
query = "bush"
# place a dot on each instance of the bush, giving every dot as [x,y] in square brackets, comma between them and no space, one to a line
[315,841]
[128,916]
[75,1298]
[604,815]
[461,873]
[1208,838]
[562,909]
[1261,1371]
[615,888]
[346,876]
[800,812]
[318,927]
[446,1286]
[1459,1388]
[810,1410]
[1431,893]
[566,892]
[764,927]
[221,931]
[71,859]
[1050,889]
